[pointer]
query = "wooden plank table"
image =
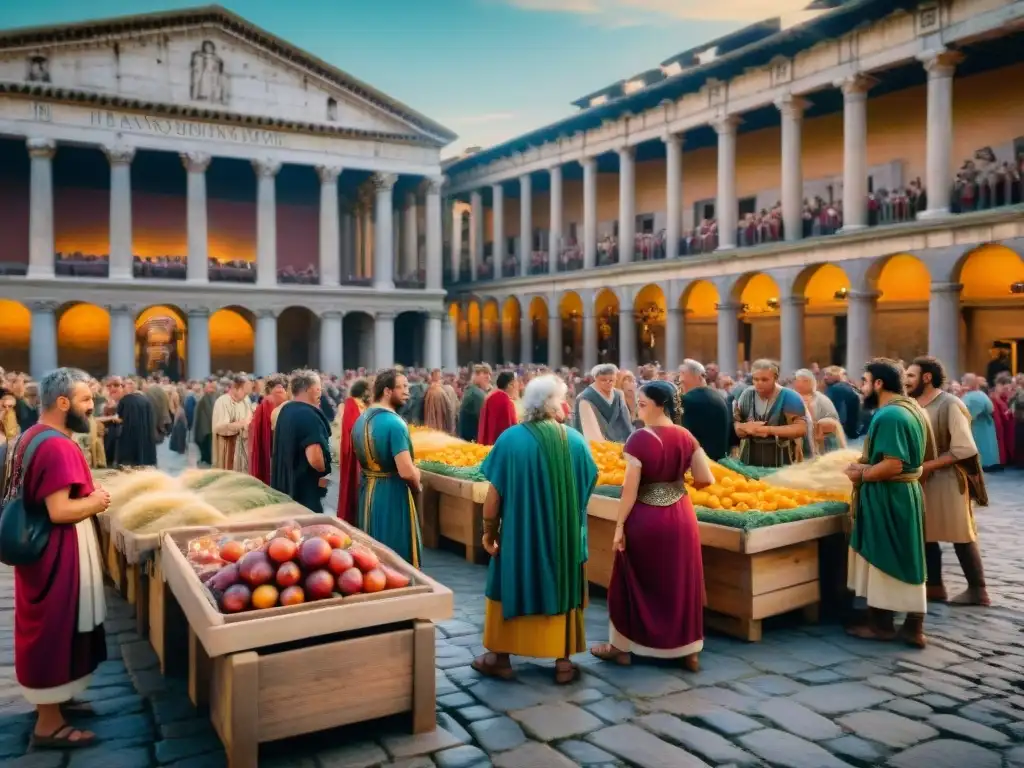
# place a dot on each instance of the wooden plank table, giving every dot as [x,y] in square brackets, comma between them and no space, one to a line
[748,575]
[453,509]
[280,672]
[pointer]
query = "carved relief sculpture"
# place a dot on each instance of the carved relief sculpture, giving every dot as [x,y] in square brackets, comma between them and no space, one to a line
[209,83]
[38,69]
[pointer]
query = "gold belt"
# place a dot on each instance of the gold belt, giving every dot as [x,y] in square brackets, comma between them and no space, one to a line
[660,494]
[906,477]
[377,475]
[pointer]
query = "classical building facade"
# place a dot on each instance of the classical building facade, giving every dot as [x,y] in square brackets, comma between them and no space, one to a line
[847,187]
[188,192]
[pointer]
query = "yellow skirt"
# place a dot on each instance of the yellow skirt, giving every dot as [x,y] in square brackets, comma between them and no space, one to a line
[541,637]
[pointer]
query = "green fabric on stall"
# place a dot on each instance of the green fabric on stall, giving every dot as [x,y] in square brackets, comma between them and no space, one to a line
[752,473]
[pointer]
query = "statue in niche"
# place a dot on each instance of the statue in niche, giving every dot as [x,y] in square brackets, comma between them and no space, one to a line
[332,109]
[38,69]
[209,83]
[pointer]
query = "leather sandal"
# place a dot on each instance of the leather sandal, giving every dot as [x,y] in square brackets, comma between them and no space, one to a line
[488,666]
[608,652]
[63,738]
[566,672]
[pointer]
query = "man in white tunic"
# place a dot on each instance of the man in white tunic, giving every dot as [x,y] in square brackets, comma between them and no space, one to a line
[231,416]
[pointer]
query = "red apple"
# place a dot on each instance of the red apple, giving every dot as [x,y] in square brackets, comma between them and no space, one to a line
[236,598]
[264,596]
[319,585]
[288,575]
[374,580]
[314,553]
[340,561]
[232,551]
[289,530]
[365,559]
[281,549]
[338,540]
[350,582]
[292,596]
[395,579]
[255,568]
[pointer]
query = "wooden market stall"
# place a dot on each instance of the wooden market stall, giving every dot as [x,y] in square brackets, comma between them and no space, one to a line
[453,509]
[280,672]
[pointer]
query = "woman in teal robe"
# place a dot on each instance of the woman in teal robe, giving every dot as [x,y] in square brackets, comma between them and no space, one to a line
[535,521]
[387,509]
[983,426]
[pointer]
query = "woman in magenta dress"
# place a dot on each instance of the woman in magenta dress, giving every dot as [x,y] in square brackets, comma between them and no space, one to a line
[656,595]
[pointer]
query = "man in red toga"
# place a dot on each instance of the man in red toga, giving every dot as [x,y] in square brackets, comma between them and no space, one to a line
[499,410]
[261,435]
[59,606]
[348,482]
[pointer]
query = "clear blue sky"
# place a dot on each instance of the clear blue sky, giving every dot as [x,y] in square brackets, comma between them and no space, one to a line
[487,69]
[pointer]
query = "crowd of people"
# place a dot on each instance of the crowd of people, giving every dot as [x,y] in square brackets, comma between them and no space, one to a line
[927,443]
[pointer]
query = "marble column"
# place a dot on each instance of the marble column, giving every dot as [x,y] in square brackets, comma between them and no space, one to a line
[555,219]
[198,343]
[791,331]
[384,341]
[673,193]
[330,234]
[940,65]
[728,338]
[347,237]
[508,347]
[673,334]
[433,340]
[331,343]
[410,236]
[197,268]
[589,337]
[41,250]
[792,109]
[855,151]
[120,159]
[265,355]
[627,338]
[476,233]
[383,249]
[555,343]
[368,239]
[627,205]
[944,326]
[727,208]
[497,229]
[450,339]
[434,265]
[455,257]
[526,337]
[589,211]
[42,347]
[266,221]
[525,224]
[121,347]
[860,306]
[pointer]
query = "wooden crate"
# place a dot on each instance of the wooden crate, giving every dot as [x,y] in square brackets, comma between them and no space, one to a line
[749,575]
[453,509]
[281,672]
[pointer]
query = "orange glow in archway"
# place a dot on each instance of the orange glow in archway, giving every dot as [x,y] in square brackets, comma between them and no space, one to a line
[760,292]
[989,271]
[822,286]
[700,300]
[904,278]
[15,335]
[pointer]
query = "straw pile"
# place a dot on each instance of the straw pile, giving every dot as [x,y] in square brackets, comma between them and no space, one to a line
[823,474]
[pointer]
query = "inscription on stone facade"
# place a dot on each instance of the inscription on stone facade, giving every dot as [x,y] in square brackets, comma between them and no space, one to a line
[184,129]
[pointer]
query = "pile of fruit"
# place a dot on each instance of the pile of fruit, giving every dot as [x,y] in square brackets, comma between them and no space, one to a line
[434,446]
[289,566]
[611,466]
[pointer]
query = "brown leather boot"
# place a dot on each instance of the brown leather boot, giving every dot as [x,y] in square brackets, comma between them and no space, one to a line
[969,556]
[912,631]
[879,626]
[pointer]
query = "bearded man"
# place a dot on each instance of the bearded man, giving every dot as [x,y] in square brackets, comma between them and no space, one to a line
[601,412]
[261,436]
[387,509]
[770,420]
[439,411]
[232,414]
[59,605]
[949,480]
[301,460]
[499,411]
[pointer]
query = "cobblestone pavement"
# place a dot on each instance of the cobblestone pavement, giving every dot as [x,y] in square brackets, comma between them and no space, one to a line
[806,697]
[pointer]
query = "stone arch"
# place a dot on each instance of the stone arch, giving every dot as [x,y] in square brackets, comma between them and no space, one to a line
[698,303]
[83,337]
[539,318]
[15,335]
[758,296]
[161,332]
[900,278]
[490,330]
[606,315]
[902,282]
[232,339]
[649,311]
[992,306]
[470,336]
[571,310]
[989,272]
[824,288]
[298,339]
[357,340]
[410,328]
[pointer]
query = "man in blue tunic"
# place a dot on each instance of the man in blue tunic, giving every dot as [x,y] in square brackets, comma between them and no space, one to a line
[387,509]
[770,420]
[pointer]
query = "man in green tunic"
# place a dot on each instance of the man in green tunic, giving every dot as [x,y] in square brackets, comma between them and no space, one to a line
[473,402]
[380,438]
[535,522]
[886,562]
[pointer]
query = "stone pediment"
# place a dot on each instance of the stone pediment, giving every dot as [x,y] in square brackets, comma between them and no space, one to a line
[206,60]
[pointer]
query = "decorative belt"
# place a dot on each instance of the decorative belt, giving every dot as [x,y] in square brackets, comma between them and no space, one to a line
[660,494]
[906,477]
[376,475]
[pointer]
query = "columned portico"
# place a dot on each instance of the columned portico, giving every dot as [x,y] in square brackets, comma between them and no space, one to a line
[508,347]
[122,339]
[627,336]
[476,233]
[855,150]
[199,343]
[383,236]
[526,335]
[265,354]
[944,326]
[455,256]
[435,245]
[673,193]
[498,231]
[860,306]
[266,221]
[525,224]
[433,339]
[40,212]
[450,342]
[384,340]
[589,211]
[554,336]
[728,337]
[43,345]
[940,65]
[330,235]
[410,237]
[589,335]
[332,342]
[792,109]
[555,225]
[120,158]
[791,330]
[196,164]
[627,205]
[673,338]
[726,204]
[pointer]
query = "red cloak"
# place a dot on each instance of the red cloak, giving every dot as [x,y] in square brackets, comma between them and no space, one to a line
[261,441]
[1003,417]
[348,480]
[497,415]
